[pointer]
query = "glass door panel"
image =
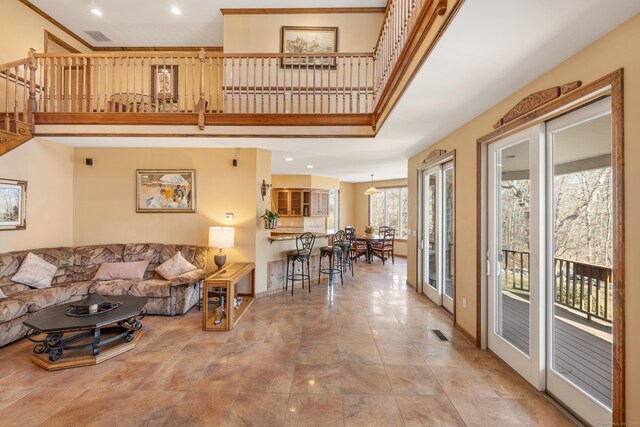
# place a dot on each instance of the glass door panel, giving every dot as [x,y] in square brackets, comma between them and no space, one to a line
[580,308]
[431,241]
[448,236]
[514,226]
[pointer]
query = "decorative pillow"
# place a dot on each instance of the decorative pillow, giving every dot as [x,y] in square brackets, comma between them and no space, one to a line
[35,272]
[2,295]
[122,270]
[175,266]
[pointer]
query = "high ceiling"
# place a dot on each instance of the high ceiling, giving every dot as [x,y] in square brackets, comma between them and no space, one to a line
[492,49]
[151,22]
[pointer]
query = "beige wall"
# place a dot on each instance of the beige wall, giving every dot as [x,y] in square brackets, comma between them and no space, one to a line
[48,169]
[361,208]
[617,49]
[346,205]
[22,29]
[305,181]
[262,249]
[357,32]
[105,195]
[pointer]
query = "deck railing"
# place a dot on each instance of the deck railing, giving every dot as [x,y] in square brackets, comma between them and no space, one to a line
[583,287]
[203,82]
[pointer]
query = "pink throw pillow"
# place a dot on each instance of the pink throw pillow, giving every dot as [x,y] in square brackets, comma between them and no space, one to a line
[122,270]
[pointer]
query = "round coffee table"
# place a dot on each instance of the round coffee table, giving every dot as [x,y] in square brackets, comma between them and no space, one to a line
[81,341]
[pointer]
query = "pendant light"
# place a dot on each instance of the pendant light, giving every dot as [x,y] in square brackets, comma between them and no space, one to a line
[371,190]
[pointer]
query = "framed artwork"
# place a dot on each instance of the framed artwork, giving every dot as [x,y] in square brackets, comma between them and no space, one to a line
[13,204]
[164,82]
[165,190]
[300,40]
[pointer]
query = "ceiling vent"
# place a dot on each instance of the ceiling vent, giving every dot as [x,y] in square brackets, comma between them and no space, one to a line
[98,36]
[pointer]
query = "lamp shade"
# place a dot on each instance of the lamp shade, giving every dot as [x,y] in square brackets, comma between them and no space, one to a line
[221,237]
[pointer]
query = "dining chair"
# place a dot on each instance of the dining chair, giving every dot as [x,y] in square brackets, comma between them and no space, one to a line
[385,246]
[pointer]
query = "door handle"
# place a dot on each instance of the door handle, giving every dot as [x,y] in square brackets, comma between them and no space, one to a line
[488,268]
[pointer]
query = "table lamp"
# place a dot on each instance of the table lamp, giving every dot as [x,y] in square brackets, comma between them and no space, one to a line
[221,237]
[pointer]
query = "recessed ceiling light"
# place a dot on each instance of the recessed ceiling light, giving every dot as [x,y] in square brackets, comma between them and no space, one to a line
[176,11]
[309,166]
[96,12]
[288,159]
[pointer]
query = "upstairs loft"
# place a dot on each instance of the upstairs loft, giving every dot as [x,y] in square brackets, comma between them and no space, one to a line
[212,93]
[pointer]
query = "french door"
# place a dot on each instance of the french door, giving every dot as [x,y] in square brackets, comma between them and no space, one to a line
[515,228]
[438,234]
[549,258]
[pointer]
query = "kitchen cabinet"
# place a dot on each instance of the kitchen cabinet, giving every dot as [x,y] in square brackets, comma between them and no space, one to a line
[289,202]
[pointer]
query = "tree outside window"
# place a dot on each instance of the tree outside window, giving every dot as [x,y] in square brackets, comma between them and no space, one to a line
[333,222]
[390,208]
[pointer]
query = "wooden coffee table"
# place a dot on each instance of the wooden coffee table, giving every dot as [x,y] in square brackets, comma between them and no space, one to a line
[82,341]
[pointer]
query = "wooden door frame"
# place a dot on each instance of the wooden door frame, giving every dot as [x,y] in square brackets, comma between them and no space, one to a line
[541,107]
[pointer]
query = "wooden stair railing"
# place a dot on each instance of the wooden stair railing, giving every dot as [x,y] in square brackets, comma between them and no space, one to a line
[18,99]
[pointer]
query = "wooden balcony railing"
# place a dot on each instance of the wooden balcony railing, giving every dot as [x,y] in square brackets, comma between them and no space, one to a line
[205,83]
[403,19]
[17,92]
[583,287]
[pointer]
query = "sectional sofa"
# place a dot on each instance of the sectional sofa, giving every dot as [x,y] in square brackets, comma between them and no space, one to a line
[73,280]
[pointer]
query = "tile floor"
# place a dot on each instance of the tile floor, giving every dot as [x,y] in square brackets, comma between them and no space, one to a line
[357,355]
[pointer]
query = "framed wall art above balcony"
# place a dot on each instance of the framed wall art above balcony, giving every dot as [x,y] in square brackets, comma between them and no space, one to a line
[309,40]
[164,82]
[13,204]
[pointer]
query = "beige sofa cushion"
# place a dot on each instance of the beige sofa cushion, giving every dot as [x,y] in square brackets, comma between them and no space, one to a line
[38,299]
[122,270]
[175,266]
[112,287]
[35,272]
[152,288]
[11,308]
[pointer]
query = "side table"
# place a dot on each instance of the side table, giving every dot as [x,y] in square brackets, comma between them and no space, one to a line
[222,288]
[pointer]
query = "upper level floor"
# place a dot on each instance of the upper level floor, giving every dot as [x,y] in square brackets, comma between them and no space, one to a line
[323,92]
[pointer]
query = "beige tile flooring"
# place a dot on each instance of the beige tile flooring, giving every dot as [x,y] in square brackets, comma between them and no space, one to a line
[357,355]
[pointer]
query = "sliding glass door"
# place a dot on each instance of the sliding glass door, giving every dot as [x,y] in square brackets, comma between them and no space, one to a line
[438,238]
[580,259]
[550,260]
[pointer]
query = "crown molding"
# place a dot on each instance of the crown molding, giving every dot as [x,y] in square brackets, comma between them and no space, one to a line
[56,23]
[300,10]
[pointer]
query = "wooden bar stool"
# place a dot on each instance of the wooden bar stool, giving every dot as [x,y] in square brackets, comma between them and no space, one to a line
[334,253]
[302,254]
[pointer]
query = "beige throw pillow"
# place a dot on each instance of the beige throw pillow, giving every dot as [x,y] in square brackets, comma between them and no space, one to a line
[122,270]
[35,272]
[175,266]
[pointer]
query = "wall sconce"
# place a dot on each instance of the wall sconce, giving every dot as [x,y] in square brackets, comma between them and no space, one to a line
[264,188]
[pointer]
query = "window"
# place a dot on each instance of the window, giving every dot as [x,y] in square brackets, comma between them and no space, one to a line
[333,221]
[390,207]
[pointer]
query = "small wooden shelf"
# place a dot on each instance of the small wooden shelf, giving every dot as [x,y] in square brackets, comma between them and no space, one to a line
[224,284]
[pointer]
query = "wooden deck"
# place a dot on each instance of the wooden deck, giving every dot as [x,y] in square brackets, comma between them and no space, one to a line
[583,348]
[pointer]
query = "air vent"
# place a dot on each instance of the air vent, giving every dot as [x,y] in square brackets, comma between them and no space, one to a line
[98,36]
[438,333]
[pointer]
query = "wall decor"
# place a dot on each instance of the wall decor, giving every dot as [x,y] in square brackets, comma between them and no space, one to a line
[164,82]
[165,190]
[13,204]
[302,40]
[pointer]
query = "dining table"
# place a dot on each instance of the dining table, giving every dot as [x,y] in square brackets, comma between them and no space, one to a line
[370,239]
